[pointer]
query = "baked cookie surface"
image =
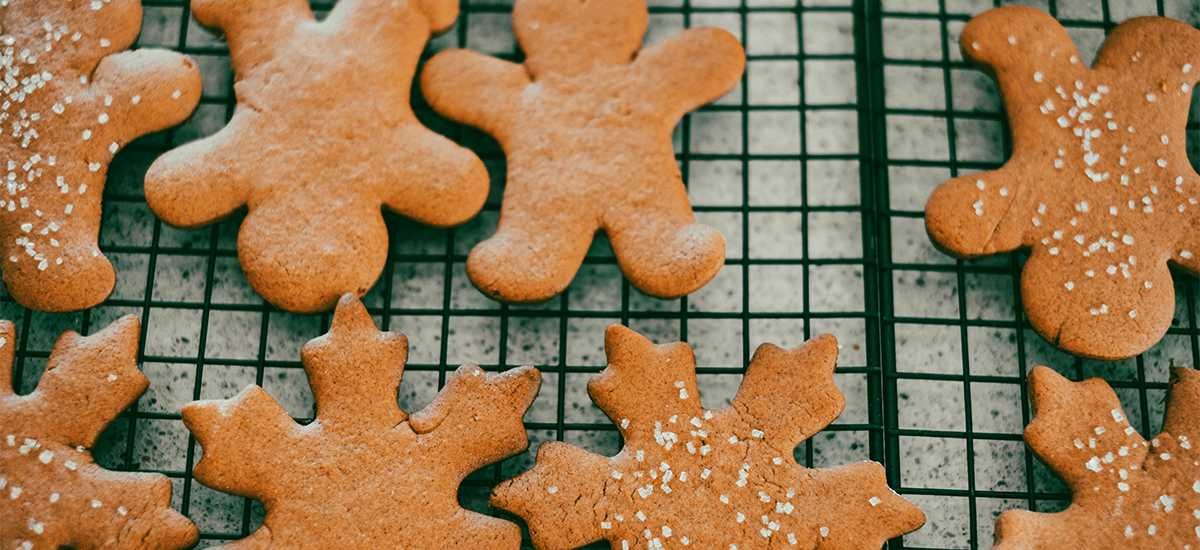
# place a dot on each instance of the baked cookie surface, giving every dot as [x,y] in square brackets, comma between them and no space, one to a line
[1126,492]
[586,126]
[52,493]
[365,474]
[688,477]
[71,98]
[322,137]
[1099,188]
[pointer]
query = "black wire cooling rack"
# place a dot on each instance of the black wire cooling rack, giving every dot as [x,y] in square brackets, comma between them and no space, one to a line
[815,170]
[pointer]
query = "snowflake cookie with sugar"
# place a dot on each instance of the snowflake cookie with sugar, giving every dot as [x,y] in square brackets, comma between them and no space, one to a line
[52,494]
[1099,188]
[365,474]
[68,102]
[1126,492]
[707,479]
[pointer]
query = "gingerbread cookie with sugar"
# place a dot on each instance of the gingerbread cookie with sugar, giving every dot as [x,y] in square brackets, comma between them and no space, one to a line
[692,478]
[322,137]
[364,474]
[586,126]
[70,98]
[54,495]
[1126,492]
[1099,188]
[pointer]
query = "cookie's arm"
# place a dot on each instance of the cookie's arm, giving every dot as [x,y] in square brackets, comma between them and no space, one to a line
[789,394]
[474,89]
[204,181]
[244,439]
[980,214]
[689,69]
[252,28]
[476,419]
[442,183]
[150,90]
[1008,42]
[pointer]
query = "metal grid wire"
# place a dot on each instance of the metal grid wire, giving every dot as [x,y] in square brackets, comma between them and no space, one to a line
[815,170]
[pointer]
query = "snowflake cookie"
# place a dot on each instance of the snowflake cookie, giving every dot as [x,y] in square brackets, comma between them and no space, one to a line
[1099,188]
[1126,492]
[52,494]
[365,474]
[322,138]
[695,478]
[70,98]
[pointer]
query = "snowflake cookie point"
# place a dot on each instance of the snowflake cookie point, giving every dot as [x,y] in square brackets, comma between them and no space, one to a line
[1126,492]
[52,482]
[1077,132]
[398,473]
[701,474]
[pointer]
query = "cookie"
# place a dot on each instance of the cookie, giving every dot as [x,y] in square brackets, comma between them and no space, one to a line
[70,98]
[322,136]
[586,126]
[688,477]
[54,494]
[365,474]
[1099,188]
[1126,493]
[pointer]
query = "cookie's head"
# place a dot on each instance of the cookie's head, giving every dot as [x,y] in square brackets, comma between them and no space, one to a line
[569,37]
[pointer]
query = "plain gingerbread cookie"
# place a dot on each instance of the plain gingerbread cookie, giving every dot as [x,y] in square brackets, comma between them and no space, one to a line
[70,98]
[1099,188]
[323,135]
[586,126]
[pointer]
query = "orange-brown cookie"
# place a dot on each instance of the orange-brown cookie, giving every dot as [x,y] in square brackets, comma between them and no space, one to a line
[1099,187]
[365,474]
[322,136]
[68,102]
[586,125]
[1126,493]
[52,494]
[699,479]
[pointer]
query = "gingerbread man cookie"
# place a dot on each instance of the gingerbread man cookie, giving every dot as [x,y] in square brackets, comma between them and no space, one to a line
[323,135]
[689,477]
[52,494]
[365,474]
[586,126]
[69,100]
[1099,188]
[1126,492]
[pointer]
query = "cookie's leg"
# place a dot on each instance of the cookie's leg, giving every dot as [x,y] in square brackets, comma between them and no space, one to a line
[968,217]
[660,247]
[430,178]
[1087,311]
[535,253]
[302,253]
